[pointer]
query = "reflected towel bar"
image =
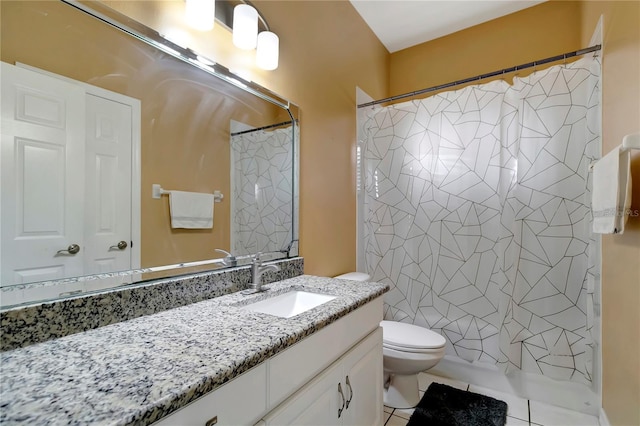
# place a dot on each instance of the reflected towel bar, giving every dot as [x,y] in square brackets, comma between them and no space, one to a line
[157,192]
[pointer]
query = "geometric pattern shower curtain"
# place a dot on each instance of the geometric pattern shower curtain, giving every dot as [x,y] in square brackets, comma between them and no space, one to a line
[477,214]
[262,198]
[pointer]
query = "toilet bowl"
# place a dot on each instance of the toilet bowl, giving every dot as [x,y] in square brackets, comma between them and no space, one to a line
[407,349]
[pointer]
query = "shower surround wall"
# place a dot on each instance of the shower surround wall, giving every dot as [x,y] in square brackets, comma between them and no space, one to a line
[477,213]
[262,200]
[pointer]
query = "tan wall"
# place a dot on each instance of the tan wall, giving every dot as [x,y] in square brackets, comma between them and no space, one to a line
[620,253]
[548,29]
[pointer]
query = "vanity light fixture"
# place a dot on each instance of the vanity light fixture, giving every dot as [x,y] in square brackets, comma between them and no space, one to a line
[200,14]
[245,35]
[245,24]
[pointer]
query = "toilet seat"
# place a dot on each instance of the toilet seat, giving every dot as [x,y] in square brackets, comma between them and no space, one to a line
[405,337]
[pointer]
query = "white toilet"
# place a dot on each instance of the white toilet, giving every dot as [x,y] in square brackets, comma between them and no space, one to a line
[407,350]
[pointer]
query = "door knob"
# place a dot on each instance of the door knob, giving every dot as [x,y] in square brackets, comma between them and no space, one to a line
[72,249]
[121,246]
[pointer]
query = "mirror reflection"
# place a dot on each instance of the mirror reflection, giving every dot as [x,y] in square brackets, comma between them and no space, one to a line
[93,120]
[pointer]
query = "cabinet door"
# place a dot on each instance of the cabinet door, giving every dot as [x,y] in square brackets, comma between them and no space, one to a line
[362,380]
[317,403]
[240,402]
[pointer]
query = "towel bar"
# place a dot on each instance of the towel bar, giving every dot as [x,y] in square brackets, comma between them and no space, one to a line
[157,192]
[629,142]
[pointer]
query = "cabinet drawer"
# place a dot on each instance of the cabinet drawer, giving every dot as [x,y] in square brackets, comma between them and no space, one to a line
[297,365]
[242,401]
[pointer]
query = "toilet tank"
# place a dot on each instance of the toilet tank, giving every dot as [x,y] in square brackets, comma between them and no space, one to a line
[354,276]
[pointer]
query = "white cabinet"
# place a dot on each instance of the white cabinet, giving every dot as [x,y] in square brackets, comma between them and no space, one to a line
[242,401]
[349,392]
[333,377]
[292,368]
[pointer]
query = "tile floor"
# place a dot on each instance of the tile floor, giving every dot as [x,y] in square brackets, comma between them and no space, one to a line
[521,412]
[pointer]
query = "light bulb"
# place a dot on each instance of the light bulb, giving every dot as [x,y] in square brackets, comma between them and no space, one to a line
[245,27]
[200,14]
[268,51]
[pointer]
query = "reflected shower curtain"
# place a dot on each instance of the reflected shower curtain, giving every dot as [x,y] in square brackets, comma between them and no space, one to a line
[477,214]
[262,198]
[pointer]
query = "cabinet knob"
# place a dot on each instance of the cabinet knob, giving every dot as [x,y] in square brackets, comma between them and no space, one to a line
[212,421]
[343,401]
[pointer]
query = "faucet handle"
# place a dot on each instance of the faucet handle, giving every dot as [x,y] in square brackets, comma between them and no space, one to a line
[256,258]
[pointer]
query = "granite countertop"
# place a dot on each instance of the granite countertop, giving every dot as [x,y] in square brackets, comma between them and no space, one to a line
[138,371]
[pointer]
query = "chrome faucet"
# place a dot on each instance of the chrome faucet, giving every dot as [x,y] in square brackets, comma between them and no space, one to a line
[257,269]
[229,260]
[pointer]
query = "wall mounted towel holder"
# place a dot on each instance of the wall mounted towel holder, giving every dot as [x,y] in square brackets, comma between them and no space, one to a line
[157,192]
[629,142]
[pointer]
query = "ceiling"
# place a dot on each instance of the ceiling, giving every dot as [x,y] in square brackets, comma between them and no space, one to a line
[404,23]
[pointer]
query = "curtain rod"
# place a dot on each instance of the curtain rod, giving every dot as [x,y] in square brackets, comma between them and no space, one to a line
[483,76]
[270,126]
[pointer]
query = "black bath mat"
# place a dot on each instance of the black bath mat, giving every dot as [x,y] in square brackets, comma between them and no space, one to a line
[442,405]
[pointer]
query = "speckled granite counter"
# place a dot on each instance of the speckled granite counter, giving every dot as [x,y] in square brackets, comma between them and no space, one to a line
[138,371]
[25,325]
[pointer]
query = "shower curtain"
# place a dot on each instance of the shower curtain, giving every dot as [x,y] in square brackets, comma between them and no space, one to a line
[477,213]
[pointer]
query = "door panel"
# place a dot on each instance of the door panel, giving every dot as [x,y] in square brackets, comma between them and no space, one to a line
[46,109]
[40,180]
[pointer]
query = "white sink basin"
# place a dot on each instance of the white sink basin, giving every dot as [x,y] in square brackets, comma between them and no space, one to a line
[289,304]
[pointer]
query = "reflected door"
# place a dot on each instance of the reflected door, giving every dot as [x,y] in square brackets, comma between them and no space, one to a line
[66,199]
[108,192]
[42,188]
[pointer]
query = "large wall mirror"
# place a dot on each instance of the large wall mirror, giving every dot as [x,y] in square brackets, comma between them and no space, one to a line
[103,121]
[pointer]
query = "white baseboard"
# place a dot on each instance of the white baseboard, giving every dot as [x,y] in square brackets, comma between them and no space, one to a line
[571,395]
[603,419]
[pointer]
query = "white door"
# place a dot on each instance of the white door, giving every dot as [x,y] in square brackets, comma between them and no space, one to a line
[42,192]
[108,165]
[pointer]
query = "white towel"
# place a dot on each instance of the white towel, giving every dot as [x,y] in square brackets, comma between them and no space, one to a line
[191,210]
[611,197]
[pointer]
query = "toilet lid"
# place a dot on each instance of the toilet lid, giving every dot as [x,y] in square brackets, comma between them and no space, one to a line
[403,335]
[354,276]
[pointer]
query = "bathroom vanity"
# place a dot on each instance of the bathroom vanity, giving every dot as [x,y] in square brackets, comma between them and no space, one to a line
[336,375]
[212,362]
